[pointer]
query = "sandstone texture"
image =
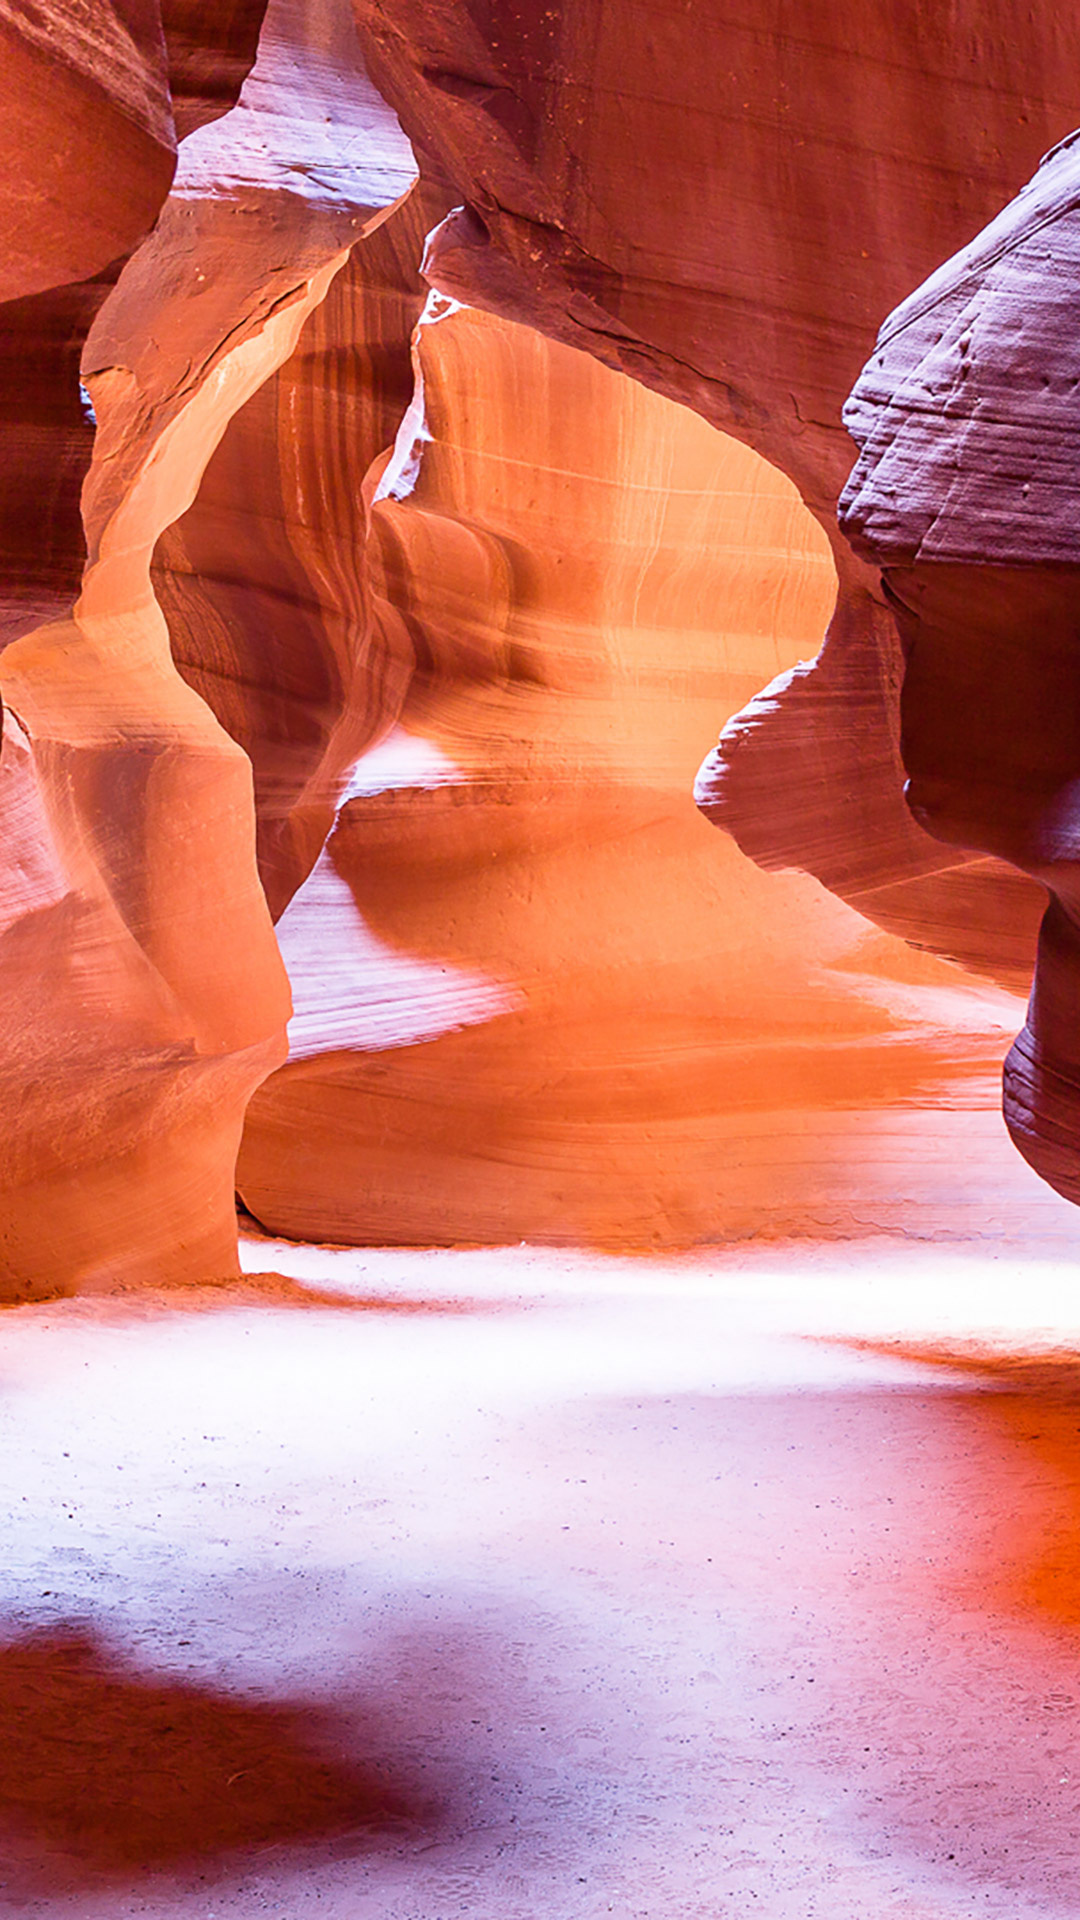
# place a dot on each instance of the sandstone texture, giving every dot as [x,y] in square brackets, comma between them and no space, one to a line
[87,138]
[534,995]
[416,646]
[145,997]
[264,581]
[731,227]
[966,493]
[94,100]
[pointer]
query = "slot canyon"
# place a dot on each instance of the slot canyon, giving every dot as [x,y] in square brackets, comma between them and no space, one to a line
[540,936]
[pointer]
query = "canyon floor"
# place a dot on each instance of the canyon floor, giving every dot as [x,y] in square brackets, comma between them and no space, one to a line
[400,1586]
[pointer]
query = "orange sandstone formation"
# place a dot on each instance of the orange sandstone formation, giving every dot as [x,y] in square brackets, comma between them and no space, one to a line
[725,206]
[87,149]
[263,581]
[534,995]
[144,993]
[87,152]
[211,51]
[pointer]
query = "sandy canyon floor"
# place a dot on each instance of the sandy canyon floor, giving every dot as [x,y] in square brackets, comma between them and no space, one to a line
[407,1586]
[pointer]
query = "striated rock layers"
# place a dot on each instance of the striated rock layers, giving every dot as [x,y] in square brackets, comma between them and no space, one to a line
[87,140]
[724,205]
[90,100]
[967,492]
[535,996]
[264,580]
[143,995]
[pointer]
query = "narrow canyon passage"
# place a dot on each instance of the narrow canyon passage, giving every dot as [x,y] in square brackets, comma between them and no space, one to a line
[534,1384]
[407,1585]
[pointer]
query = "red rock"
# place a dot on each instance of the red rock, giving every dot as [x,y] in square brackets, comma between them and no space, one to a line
[263,580]
[534,995]
[87,144]
[722,230]
[528,939]
[76,195]
[147,980]
[211,50]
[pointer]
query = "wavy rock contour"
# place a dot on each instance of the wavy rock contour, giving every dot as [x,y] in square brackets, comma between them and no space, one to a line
[145,995]
[730,230]
[534,995]
[966,492]
[90,100]
[264,580]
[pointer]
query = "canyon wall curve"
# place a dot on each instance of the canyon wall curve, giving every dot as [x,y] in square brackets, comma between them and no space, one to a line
[534,996]
[706,227]
[145,996]
[965,494]
[457,453]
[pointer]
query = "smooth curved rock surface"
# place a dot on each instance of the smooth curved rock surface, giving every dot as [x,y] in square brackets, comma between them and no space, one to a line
[87,153]
[724,230]
[535,997]
[147,996]
[260,604]
[93,99]
[966,492]
[264,580]
[75,198]
[87,141]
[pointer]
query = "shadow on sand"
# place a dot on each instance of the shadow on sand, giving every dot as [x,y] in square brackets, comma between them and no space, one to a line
[107,1770]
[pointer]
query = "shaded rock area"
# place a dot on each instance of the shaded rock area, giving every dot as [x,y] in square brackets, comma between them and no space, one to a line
[968,421]
[93,103]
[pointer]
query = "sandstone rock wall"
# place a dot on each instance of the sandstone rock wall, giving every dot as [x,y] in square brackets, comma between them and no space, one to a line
[145,995]
[968,421]
[264,580]
[534,995]
[726,208]
[93,102]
